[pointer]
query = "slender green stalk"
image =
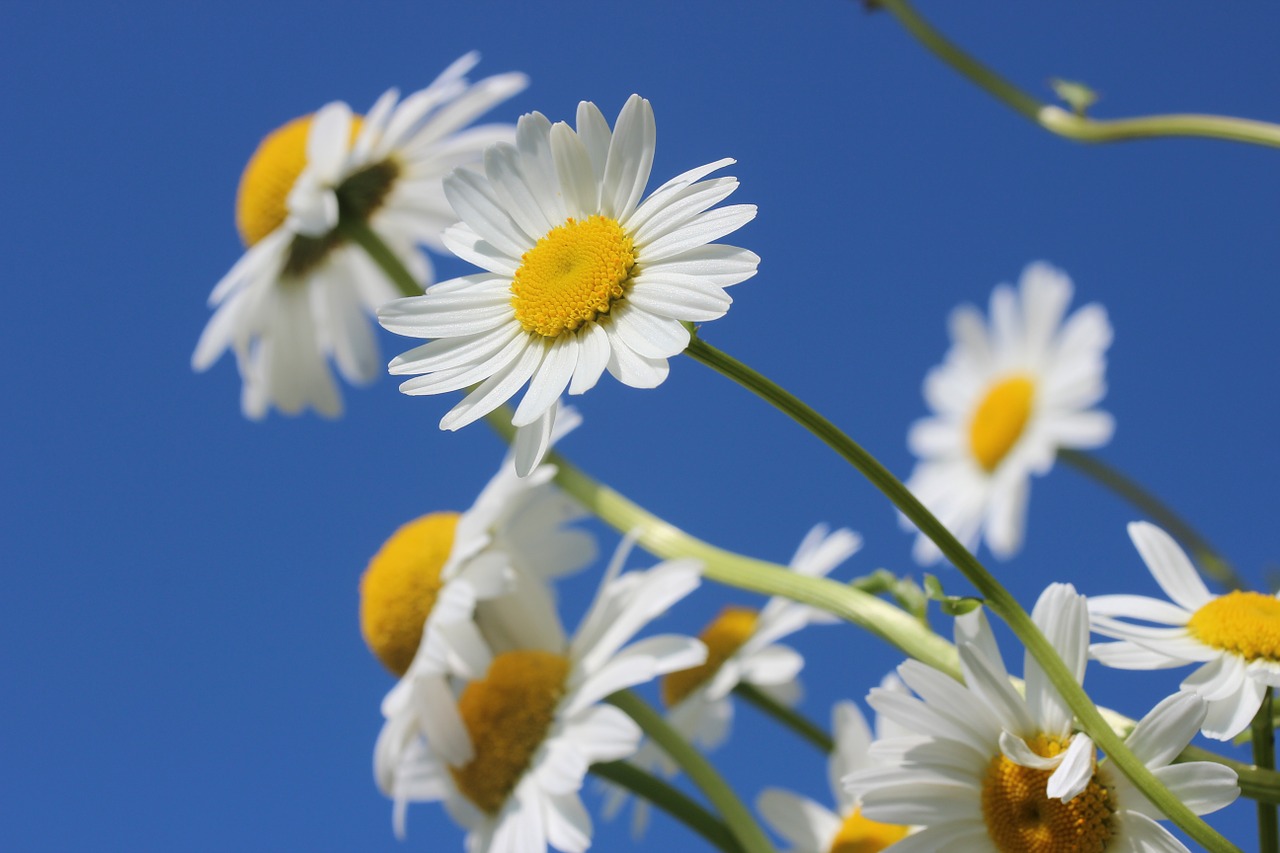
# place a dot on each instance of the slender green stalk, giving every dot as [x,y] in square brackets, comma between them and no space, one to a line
[671,800]
[789,717]
[362,235]
[997,597]
[736,816]
[1211,564]
[1069,125]
[1264,755]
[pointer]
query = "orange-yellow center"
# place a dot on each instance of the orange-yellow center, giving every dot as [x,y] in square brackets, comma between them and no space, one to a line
[1000,419]
[1244,623]
[507,714]
[399,588]
[572,276]
[859,835]
[724,636]
[1021,818]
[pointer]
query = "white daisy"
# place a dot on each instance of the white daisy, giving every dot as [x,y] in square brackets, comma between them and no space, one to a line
[509,758]
[301,293]
[1005,399]
[580,275]
[809,827]
[991,772]
[1236,636]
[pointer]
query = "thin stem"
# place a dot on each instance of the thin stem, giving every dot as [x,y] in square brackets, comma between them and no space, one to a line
[789,717]
[1069,125]
[997,597]
[736,816]
[671,800]
[1211,564]
[1264,755]
[359,232]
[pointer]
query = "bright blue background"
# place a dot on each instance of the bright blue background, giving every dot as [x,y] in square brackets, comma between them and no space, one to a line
[181,664]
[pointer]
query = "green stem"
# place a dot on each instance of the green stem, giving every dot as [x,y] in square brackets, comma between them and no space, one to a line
[736,816]
[1069,125]
[670,799]
[789,717]
[359,232]
[1211,564]
[1264,755]
[997,597]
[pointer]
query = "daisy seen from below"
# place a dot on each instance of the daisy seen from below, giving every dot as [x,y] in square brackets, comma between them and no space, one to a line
[1236,636]
[303,292]
[509,756]
[988,771]
[809,827]
[580,276]
[1007,396]
[437,597]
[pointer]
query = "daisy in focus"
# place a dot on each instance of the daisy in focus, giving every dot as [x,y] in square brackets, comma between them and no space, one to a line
[303,290]
[1005,399]
[580,275]
[1235,636]
[509,755]
[988,771]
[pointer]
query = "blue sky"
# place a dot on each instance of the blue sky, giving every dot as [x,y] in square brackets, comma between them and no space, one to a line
[181,657]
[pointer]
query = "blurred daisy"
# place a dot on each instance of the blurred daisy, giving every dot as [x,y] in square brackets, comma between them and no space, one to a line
[301,292]
[812,828]
[1005,399]
[509,758]
[580,275]
[1236,636]
[988,771]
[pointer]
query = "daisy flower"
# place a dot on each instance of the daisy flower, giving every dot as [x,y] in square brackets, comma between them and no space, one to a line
[580,275]
[302,291]
[1005,399]
[989,771]
[509,757]
[812,828]
[1235,636]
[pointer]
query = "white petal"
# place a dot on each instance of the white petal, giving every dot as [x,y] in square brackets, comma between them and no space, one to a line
[550,380]
[1232,715]
[1075,772]
[1169,565]
[478,206]
[630,158]
[494,391]
[573,166]
[806,826]
[631,368]
[593,356]
[648,335]
[533,441]
[705,228]
[568,824]
[327,141]
[1128,655]
[992,684]
[593,130]
[1147,836]
[1204,786]
[1138,607]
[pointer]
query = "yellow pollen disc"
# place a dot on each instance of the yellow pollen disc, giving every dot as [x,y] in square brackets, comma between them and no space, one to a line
[507,714]
[724,636]
[264,187]
[1020,818]
[1000,419]
[399,588]
[859,835]
[572,275]
[1245,623]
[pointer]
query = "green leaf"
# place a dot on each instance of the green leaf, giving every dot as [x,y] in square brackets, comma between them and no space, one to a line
[1077,95]
[952,605]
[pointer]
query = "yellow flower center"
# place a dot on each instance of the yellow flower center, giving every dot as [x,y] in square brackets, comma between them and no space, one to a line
[1245,623]
[572,275]
[399,588]
[1000,419]
[1020,818]
[724,636]
[859,835]
[507,714]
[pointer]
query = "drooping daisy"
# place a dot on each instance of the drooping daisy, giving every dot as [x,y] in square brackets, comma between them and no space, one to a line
[812,828]
[1005,399]
[302,291]
[580,275]
[988,771]
[1236,636]
[509,758]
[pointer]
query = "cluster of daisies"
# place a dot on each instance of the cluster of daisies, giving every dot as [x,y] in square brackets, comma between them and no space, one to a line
[498,711]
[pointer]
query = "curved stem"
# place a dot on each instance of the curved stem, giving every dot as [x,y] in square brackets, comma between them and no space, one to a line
[789,717]
[1069,125]
[362,235]
[736,816]
[1264,755]
[997,597]
[671,800]
[1211,564]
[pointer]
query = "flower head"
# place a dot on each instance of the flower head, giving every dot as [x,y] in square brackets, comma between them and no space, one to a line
[580,275]
[1006,398]
[1235,636]
[302,291]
